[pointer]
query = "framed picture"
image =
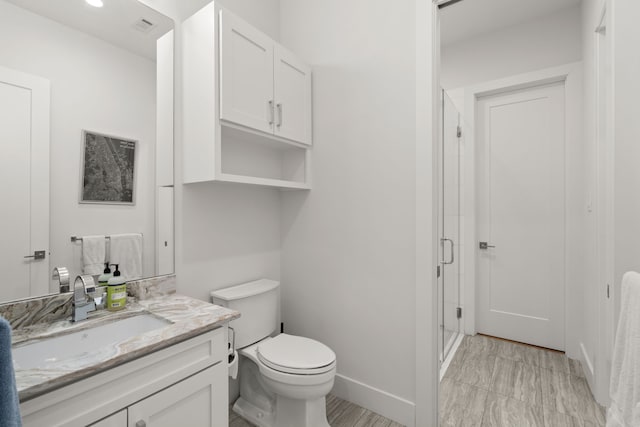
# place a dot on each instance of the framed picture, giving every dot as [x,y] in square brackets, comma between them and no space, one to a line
[108,169]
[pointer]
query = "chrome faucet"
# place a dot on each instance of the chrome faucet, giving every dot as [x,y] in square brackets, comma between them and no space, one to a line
[61,275]
[82,303]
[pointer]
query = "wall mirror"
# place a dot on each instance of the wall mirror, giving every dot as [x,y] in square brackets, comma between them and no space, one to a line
[86,138]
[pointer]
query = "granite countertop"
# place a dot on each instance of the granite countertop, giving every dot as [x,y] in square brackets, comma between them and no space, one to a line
[187,317]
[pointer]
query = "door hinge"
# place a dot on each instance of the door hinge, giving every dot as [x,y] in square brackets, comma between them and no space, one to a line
[459,132]
[459,312]
[608,291]
[438,272]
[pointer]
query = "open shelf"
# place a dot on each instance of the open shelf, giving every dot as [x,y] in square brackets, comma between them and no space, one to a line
[253,159]
[264,182]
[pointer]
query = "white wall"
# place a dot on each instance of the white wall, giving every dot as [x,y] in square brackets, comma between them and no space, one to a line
[542,43]
[225,234]
[353,284]
[348,246]
[626,34]
[86,94]
[623,33]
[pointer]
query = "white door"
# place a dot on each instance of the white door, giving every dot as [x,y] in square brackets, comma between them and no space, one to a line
[520,146]
[24,184]
[246,74]
[193,402]
[292,96]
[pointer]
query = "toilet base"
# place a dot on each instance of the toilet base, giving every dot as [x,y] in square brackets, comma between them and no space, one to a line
[254,414]
[308,413]
[289,413]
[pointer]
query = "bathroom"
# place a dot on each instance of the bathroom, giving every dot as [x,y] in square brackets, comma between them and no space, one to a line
[356,257]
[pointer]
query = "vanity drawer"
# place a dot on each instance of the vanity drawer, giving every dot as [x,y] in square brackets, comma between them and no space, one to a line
[105,393]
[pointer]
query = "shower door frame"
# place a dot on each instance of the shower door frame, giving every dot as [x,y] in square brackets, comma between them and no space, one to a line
[448,242]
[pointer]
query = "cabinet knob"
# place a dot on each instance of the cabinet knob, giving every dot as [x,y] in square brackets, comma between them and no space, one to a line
[141,423]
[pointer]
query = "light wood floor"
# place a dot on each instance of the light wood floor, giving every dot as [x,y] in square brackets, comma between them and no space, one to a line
[494,383]
[340,413]
[498,383]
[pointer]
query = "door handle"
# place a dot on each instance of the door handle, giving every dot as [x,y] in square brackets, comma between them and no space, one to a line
[485,245]
[279,106]
[271,112]
[37,255]
[452,259]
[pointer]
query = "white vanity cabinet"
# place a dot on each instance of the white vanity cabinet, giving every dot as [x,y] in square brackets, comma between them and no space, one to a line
[185,384]
[187,403]
[247,105]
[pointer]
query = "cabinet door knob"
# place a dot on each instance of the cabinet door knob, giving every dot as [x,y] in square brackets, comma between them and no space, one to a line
[141,423]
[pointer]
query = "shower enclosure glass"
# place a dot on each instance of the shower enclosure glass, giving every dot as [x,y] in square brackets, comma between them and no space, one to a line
[449,220]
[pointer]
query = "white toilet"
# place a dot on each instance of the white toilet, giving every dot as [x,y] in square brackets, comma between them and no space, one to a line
[283,380]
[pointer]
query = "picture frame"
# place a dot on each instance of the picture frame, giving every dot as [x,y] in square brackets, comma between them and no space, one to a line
[108,171]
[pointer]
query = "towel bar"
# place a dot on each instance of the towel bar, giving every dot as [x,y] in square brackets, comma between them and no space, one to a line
[79,239]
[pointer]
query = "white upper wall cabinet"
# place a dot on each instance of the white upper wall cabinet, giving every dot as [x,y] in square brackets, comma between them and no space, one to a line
[246,74]
[263,86]
[292,88]
[246,105]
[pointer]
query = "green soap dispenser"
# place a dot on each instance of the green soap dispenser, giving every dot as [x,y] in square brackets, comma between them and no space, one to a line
[103,280]
[116,291]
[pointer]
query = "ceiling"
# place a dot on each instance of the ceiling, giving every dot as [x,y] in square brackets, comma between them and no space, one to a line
[113,23]
[470,18]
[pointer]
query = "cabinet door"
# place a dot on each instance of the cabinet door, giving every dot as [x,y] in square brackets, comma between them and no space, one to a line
[119,419]
[293,97]
[246,74]
[200,400]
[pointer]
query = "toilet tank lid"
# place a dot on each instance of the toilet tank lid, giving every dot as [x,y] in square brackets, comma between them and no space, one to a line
[245,290]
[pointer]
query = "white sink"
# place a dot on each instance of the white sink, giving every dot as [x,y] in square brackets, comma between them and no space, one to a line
[84,345]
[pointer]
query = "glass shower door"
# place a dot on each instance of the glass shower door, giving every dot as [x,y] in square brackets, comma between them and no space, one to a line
[449,227]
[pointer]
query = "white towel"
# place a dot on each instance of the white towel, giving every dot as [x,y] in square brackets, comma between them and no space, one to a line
[625,371]
[93,253]
[126,251]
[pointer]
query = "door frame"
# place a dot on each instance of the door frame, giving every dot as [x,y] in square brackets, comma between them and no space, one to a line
[604,156]
[571,75]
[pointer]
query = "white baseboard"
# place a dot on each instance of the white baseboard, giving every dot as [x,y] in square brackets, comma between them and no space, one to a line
[388,405]
[452,352]
[587,366]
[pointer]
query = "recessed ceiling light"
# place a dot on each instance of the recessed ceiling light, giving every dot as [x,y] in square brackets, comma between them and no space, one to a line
[95,3]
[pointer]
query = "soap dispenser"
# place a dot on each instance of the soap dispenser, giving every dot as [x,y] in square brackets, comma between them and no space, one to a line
[116,291]
[103,280]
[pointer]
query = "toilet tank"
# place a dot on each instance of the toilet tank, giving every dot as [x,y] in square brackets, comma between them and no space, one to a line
[258,304]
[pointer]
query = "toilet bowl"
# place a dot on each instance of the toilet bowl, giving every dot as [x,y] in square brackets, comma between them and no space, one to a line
[288,388]
[294,373]
[283,379]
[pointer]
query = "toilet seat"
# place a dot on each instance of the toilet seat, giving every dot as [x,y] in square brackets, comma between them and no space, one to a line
[296,355]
